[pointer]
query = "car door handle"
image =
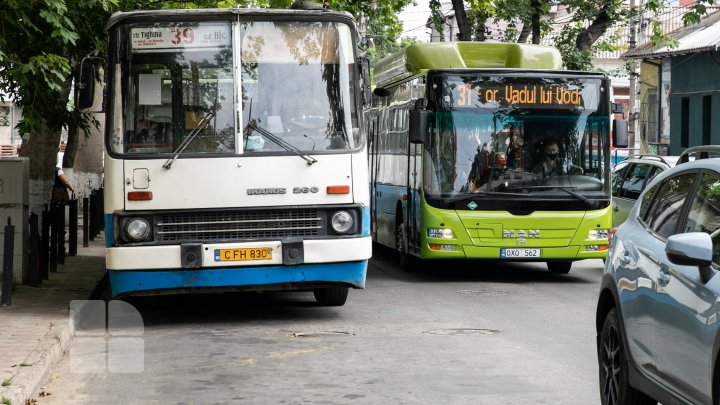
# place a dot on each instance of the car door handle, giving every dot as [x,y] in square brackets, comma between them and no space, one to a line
[663,278]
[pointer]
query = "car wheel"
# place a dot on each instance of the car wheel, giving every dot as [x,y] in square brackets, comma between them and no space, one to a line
[615,388]
[331,297]
[559,267]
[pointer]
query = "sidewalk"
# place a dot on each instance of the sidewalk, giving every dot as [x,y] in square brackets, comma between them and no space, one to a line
[36,329]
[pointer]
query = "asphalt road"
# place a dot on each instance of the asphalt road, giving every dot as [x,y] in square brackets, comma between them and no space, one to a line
[455,333]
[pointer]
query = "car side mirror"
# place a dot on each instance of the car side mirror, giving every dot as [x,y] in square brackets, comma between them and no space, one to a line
[692,249]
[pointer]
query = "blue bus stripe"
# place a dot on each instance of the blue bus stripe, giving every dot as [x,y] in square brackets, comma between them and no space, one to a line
[108,230]
[124,281]
[366,221]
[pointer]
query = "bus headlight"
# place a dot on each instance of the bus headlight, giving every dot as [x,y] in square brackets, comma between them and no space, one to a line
[598,234]
[342,222]
[137,229]
[440,233]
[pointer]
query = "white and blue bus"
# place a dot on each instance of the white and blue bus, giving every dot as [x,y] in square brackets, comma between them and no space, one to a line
[235,155]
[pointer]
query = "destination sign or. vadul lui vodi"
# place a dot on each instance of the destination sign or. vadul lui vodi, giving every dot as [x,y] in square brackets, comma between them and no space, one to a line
[522,95]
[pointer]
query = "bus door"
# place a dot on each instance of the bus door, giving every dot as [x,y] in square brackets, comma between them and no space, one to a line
[373,137]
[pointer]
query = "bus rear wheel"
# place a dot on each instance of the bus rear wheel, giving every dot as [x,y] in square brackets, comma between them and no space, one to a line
[558,267]
[331,297]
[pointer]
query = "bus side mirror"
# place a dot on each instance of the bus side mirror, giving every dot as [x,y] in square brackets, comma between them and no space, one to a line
[365,74]
[620,133]
[419,117]
[85,86]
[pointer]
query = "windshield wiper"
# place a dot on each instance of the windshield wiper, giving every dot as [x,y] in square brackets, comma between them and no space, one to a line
[588,202]
[450,200]
[253,126]
[191,136]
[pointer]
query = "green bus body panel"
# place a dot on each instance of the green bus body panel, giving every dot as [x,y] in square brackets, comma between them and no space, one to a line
[478,234]
[421,57]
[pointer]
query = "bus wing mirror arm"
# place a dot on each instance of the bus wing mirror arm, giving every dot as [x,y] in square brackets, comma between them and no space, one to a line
[365,74]
[419,117]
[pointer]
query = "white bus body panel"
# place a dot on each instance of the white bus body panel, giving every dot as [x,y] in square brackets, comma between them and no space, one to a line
[224,182]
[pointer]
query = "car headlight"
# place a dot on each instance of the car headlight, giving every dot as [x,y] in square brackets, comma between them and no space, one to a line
[598,234]
[137,229]
[342,222]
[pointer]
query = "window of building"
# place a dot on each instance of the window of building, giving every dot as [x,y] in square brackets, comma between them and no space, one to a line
[5,117]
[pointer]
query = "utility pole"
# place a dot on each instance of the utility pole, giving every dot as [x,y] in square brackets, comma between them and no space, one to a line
[632,123]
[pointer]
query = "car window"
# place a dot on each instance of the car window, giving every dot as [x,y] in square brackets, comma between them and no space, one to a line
[646,203]
[704,213]
[665,212]
[617,177]
[635,181]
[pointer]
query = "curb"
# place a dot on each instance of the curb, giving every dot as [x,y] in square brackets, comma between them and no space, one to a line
[34,371]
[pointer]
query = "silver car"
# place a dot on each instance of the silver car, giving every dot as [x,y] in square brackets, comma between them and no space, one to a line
[658,312]
[629,179]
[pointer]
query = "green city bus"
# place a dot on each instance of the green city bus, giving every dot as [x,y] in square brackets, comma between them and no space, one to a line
[489,151]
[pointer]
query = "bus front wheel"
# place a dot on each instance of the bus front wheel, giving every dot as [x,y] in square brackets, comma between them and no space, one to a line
[331,297]
[559,267]
[401,247]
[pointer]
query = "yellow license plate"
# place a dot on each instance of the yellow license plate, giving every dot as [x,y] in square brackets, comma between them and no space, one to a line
[242,254]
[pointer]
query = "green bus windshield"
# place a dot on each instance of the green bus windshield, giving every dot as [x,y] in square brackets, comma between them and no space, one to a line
[500,134]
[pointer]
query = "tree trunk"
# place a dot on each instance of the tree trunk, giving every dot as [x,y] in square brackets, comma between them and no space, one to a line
[587,37]
[524,34]
[480,19]
[535,21]
[87,172]
[71,147]
[42,147]
[462,21]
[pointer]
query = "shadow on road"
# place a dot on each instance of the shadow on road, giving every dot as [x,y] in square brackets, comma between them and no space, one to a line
[384,265]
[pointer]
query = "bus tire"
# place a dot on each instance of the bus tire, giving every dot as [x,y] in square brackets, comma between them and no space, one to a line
[559,267]
[331,297]
[405,261]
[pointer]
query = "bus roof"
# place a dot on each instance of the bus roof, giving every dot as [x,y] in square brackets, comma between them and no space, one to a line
[209,13]
[420,57]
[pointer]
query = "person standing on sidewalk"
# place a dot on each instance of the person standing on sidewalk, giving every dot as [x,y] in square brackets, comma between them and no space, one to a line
[61,185]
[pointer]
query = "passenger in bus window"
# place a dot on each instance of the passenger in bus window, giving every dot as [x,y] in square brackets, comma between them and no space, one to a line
[479,168]
[552,164]
[147,132]
[515,150]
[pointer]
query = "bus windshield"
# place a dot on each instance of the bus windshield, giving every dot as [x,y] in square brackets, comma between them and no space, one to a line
[501,134]
[291,93]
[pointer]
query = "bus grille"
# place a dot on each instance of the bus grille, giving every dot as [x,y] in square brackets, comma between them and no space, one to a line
[238,225]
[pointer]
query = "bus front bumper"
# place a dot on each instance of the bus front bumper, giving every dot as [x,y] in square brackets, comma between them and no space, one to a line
[304,276]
